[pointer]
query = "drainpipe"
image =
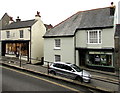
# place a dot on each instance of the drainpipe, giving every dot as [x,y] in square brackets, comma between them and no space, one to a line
[30,45]
[75,48]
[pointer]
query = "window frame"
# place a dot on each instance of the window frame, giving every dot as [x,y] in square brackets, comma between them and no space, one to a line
[98,37]
[57,58]
[7,34]
[21,33]
[57,44]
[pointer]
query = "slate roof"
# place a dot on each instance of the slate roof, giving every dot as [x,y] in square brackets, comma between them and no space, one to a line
[117,31]
[20,24]
[91,19]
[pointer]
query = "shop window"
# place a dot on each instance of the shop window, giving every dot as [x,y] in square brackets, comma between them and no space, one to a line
[100,59]
[17,49]
[94,37]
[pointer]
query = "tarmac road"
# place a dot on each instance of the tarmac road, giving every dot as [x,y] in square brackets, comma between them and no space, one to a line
[15,80]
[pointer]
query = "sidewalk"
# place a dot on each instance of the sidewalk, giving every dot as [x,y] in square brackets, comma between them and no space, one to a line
[15,62]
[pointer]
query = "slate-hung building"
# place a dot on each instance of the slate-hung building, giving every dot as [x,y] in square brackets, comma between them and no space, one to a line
[23,38]
[86,39]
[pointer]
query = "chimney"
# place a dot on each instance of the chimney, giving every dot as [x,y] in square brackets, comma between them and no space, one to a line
[112,9]
[18,19]
[37,16]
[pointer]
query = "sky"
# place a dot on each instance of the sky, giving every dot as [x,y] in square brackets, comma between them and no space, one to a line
[51,11]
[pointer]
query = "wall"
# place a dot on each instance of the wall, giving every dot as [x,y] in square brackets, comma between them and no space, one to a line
[15,34]
[38,30]
[66,51]
[107,39]
[119,12]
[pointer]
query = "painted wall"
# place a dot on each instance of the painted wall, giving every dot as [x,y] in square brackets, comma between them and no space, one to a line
[107,39]
[66,51]
[38,30]
[15,34]
[119,12]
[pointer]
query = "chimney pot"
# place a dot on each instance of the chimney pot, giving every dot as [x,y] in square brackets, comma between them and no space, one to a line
[18,19]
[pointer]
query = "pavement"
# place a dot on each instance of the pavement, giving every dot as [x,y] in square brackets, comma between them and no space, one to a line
[43,70]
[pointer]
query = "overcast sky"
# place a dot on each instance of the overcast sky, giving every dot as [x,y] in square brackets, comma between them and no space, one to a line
[52,11]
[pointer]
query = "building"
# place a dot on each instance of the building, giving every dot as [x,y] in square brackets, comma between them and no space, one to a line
[3,22]
[23,38]
[85,39]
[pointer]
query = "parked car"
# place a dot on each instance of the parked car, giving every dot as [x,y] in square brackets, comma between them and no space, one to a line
[71,71]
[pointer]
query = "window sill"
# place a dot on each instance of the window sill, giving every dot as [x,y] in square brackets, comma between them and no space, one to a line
[57,48]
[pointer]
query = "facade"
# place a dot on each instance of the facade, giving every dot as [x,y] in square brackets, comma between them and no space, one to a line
[23,39]
[3,22]
[85,39]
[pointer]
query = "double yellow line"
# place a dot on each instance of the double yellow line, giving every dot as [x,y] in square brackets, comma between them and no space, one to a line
[46,80]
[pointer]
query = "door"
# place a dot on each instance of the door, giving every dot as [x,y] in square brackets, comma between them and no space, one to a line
[82,58]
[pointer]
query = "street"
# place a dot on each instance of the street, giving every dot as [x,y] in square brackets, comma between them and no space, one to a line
[15,80]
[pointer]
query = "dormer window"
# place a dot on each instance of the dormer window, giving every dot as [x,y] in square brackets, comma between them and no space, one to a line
[21,33]
[94,37]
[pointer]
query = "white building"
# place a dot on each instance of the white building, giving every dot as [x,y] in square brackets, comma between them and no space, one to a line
[86,39]
[23,38]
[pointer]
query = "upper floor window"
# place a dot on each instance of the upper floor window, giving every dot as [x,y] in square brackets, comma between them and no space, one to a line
[8,34]
[57,43]
[94,37]
[21,33]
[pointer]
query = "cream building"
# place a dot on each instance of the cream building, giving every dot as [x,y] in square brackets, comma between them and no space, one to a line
[24,38]
[85,39]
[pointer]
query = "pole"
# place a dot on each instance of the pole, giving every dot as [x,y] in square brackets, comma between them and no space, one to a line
[20,56]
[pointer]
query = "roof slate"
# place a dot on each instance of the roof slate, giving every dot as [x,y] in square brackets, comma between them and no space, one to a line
[20,24]
[117,31]
[97,18]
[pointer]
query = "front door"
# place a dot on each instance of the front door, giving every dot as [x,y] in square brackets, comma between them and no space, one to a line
[82,58]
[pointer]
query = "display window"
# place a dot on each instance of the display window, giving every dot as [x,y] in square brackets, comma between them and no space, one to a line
[103,59]
[17,49]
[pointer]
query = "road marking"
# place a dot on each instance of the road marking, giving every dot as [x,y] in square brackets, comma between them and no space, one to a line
[43,79]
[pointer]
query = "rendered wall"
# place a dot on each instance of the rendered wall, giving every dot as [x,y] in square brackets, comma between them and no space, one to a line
[67,49]
[107,39]
[38,30]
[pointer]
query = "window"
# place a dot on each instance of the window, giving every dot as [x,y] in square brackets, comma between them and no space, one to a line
[57,43]
[103,59]
[94,37]
[8,34]
[57,58]
[21,33]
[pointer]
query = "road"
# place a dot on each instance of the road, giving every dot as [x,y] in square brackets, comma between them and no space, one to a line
[15,80]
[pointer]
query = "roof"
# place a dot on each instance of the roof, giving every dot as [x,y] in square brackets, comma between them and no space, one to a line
[20,24]
[117,32]
[90,19]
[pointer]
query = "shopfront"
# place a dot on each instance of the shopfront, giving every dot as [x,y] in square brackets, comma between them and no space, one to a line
[99,59]
[15,48]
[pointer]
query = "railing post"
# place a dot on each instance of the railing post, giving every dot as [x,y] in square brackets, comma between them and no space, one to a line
[48,67]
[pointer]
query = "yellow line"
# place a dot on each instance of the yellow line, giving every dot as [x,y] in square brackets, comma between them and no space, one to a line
[44,80]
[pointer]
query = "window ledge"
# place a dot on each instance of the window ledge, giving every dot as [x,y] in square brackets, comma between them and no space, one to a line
[57,48]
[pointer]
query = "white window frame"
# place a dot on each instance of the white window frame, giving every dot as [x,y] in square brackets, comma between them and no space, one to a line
[99,37]
[7,34]
[57,58]
[57,43]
